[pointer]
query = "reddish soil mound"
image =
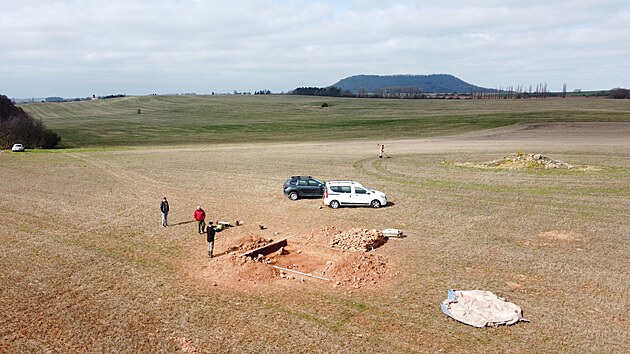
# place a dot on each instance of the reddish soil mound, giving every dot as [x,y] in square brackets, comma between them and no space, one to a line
[358,239]
[252,270]
[248,243]
[248,269]
[357,269]
[320,237]
[227,268]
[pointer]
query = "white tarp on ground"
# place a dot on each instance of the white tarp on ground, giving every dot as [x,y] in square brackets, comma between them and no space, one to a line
[481,308]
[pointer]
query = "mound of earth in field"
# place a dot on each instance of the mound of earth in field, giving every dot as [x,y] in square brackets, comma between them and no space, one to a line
[357,269]
[247,268]
[253,270]
[357,239]
[521,160]
[248,243]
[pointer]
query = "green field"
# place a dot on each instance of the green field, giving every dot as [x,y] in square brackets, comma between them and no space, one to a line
[183,120]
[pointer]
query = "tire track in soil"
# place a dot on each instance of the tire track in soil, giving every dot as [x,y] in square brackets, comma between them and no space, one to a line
[136,183]
[113,170]
[377,168]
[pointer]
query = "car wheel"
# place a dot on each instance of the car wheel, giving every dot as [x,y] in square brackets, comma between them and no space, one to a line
[375,204]
[293,196]
[334,204]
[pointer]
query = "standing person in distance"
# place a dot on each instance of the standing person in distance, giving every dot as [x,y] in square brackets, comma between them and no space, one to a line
[200,216]
[164,210]
[381,150]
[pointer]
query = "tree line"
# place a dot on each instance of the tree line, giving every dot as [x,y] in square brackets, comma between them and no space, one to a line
[333,91]
[511,92]
[17,126]
[619,93]
[320,91]
[518,92]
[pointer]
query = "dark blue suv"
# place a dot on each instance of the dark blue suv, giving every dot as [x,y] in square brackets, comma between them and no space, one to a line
[296,187]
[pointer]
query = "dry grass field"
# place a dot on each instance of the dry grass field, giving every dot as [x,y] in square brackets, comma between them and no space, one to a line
[86,266]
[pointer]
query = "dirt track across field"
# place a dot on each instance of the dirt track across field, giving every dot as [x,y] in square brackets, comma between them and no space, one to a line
[86,266]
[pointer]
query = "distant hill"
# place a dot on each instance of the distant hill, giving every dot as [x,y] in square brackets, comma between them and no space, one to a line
[434,83]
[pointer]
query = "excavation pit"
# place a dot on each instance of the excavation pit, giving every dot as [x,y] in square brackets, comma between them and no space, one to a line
[287,258]
[326,256]
[266,249]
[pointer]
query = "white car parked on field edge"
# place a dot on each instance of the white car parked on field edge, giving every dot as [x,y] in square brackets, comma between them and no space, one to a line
[342,193]
[17,148]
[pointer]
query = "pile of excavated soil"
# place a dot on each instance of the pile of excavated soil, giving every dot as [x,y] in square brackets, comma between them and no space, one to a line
[247,268]
[320,237]
[227,268]
[354,269]
[357,269]
[248,243]
[357,239]
[253,270]
[522,160]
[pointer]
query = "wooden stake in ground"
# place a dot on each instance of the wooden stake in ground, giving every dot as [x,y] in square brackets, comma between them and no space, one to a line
[301,273]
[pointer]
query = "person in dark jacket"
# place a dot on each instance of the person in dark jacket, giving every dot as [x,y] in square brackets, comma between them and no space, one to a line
[210,231]
[164,209]
[200,216]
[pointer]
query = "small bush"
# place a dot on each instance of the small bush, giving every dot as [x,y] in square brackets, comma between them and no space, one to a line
[324,105]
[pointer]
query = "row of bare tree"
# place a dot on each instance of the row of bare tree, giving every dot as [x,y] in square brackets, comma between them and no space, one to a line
[518,92]
[393,92]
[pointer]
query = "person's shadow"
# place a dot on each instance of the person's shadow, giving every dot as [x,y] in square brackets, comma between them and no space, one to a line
[184,222]
[221,254]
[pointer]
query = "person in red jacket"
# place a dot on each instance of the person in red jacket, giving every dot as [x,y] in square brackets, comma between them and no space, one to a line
[200,216]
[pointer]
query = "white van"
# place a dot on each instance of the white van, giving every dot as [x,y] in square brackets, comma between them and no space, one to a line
[350,193]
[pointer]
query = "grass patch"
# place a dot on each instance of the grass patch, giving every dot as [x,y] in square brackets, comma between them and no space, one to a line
[178,120]
[317,320]
[356,305]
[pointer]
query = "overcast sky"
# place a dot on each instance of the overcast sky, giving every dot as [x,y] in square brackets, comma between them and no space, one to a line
[74,48]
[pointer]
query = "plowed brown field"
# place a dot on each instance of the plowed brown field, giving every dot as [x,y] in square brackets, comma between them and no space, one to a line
[85,265]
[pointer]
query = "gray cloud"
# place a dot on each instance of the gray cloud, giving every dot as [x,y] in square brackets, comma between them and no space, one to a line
[77,48]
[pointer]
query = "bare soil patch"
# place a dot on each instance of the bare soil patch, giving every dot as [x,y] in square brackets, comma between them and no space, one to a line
[555,238]
[598,133]
[562,235]
[248,243]
[187,346]
[343,260]
[521,160]
[360,269]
